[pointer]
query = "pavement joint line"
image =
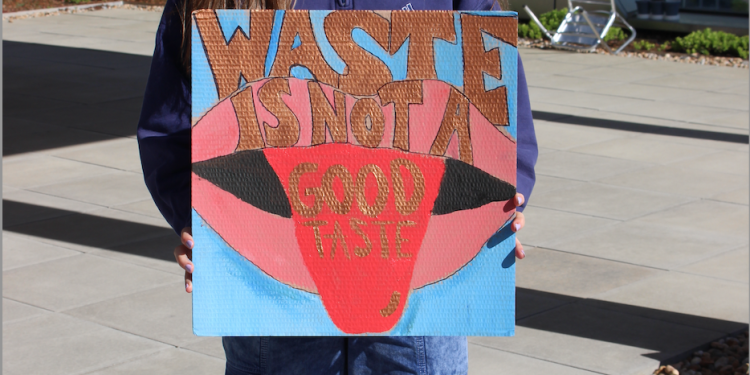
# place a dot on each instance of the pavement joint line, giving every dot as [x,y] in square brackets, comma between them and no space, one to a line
[739,247]
[27,304]
[596,297]
[694,200]
[31,188]
[577,213]
[651,163]
[118,208]
[114,296]
[44,261]
[545,244]
[103,39]
[672,194]
[537,358]
[195,351]
[565,303]
[67,310]
[604,259]
[98,165]
[139,265]
[595,182]
[744,283]
[721,201]
[111,365]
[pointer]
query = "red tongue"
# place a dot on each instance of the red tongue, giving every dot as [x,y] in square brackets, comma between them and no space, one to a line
[363,287]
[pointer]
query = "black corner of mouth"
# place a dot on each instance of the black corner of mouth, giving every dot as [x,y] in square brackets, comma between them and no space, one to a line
[248,176]
[465,187]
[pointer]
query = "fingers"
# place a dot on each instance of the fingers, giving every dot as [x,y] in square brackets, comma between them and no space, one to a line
[186,236]
[519,222]
[519,250]
[183,254]
[188,282]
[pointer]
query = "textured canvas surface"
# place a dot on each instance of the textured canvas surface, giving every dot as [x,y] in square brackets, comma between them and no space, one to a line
[352,171]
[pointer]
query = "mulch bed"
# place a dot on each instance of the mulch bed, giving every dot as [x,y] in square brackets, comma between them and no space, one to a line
[21,5]
[663,55]
[727,356]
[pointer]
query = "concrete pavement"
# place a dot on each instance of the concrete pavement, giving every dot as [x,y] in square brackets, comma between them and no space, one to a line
[637,230]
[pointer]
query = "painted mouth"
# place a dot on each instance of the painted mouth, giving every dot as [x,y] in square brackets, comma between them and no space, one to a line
[362,226]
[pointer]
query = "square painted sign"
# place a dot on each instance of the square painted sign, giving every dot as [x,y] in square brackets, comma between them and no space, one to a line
[352,171]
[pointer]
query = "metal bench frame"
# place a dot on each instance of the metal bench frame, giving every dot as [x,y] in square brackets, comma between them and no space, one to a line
[583,30]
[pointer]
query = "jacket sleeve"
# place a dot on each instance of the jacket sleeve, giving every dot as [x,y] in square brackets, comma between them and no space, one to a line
[164,125]
[526,146]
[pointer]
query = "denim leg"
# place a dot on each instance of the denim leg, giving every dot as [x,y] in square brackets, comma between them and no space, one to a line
[285,355]
[446,355]
[418,355]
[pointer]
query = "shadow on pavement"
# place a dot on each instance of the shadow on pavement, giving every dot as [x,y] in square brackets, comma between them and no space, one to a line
[640,128]
[60,96]
[668,334]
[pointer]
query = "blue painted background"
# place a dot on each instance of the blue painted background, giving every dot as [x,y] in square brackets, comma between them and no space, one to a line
[231,296]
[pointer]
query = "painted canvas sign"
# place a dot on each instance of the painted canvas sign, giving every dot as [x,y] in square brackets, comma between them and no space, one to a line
[351,172]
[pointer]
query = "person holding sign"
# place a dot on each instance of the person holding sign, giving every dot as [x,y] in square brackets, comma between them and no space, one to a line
[164,134]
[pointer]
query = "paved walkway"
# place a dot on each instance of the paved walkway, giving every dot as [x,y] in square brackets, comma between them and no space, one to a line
[637,235]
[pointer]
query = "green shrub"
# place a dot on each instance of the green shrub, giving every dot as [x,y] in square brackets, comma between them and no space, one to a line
[643,45]
[77,1]
[709,42]
[615,34]
[529,31]
[551,21]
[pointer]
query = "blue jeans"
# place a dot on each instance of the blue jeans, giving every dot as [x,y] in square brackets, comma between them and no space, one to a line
[368,355]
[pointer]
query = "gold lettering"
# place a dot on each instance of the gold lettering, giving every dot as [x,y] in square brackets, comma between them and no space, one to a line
[392,305]
[364,73]
[400,240]
[401,94]
[359,251]
[455,119]
[250,137]
[360,187]
[337,236]
[364,109]
[324,114]
[404,206]
[297,204]
[421,28]
[340,172]
[243,55]
[493,104]
[286,134]
[383,238]
[307,54]
[316,224]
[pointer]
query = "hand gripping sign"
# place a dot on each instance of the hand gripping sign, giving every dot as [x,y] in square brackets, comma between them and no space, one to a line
[352,171]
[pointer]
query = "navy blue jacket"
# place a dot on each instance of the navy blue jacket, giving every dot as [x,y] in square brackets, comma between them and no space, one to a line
[164,125]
